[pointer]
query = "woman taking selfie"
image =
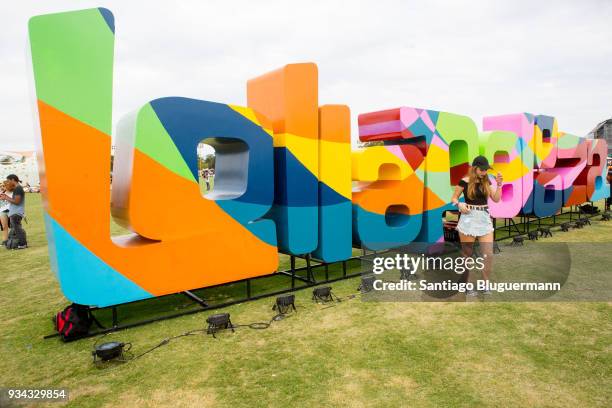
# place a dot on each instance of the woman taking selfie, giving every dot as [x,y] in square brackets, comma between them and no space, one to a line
[475,220]
[4,209]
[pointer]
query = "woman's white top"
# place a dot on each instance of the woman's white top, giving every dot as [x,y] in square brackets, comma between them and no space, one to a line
[4,205]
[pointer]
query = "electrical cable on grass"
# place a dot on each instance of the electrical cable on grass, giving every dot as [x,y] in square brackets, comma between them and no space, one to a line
[129,357]
[255,326]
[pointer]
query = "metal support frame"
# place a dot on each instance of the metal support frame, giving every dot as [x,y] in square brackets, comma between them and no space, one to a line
[525,223]
[197,299]
[308,281]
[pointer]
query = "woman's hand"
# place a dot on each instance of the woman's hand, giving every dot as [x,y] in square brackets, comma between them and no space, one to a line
[463,208]
[499,179]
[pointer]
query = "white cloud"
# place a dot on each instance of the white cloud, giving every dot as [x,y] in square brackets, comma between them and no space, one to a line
[475,58]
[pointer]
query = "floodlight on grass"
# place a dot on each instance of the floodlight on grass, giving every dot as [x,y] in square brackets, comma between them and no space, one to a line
[109,351]
[367,284]
[322,294]
[218,322]
[284,303]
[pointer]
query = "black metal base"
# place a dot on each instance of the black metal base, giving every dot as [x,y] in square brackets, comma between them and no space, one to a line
[564,220]
[313,265]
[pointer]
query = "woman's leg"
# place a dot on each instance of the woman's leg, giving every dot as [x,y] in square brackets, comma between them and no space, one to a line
[5,229]
[486,248]
[467,248]
[20,233]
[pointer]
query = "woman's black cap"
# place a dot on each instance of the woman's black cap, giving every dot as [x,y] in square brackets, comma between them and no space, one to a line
[482,163]
[13,177]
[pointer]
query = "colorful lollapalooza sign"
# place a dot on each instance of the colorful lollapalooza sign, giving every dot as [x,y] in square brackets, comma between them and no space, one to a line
[286,178]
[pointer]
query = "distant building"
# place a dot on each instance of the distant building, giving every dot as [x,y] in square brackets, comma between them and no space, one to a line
[603,131]
[23,164]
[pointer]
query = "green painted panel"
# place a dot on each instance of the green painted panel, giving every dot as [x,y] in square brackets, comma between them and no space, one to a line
[72,59]
[153,140]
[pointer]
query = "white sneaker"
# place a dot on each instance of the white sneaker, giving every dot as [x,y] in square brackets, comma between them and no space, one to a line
[471,293]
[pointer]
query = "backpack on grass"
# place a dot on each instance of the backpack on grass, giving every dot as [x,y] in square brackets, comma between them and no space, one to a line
[16,239]
[74,322]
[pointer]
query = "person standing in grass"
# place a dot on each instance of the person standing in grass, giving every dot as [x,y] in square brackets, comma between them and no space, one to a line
[475,220]
[4,210]
[206,176]
[16,210]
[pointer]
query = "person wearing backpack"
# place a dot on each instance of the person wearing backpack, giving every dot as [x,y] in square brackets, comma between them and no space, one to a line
[17,235]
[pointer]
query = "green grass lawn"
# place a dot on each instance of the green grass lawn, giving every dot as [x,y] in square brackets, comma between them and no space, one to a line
[355,353]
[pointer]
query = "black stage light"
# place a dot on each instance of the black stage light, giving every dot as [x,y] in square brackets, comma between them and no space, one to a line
[545,232]
[218,322]
[322,294]
[367,284]
[284,303]
[518,240]
[109,351]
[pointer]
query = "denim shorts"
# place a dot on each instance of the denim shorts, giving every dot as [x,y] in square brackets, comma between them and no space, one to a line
[476,223]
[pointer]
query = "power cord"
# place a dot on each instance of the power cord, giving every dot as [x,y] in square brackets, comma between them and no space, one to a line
[168,340]
[127,356]
[337,300]
[263,325]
